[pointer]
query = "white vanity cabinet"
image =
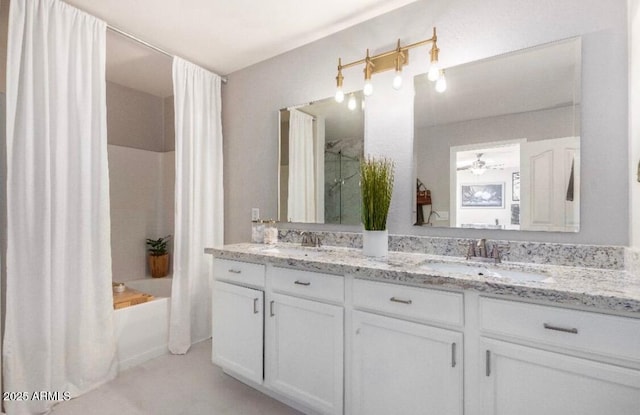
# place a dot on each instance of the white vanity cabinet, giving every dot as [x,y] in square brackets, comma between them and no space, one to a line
[328,344]
[547,360]
[400,366]
[304,345]
[238,315]
[238,318]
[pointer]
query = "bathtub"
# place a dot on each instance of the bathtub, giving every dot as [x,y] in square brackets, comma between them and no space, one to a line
[142,331]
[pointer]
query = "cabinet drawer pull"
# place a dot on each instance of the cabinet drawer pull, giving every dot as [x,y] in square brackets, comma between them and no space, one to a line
[305,283]
[255,306]
[235,271]
[271,313]
[453,355]
[562,329]
[399,300]
[487,369]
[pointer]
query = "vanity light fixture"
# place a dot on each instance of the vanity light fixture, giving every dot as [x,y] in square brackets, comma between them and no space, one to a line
[434,69]
[352,102]
[400,60]
[368,70]
[394,59]
[441,83]
[339,78]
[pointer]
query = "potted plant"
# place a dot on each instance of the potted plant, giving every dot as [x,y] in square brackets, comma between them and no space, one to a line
[158,257]
[376,181]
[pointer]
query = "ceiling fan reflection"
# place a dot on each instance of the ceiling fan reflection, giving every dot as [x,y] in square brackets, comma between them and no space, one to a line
[478,167]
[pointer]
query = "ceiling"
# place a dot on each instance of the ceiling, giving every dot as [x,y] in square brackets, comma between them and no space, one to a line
[220,35]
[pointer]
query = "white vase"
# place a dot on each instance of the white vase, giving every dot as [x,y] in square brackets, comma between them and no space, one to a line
[375,243]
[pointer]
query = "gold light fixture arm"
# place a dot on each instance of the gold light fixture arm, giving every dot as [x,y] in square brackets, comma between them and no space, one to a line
[394,59]
[398,50]
[339,78]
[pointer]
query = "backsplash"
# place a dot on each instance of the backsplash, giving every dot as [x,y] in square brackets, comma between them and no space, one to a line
[632,260]
[590,256]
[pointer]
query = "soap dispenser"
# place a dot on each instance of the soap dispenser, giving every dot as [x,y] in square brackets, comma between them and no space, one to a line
[271,233]
[257,231]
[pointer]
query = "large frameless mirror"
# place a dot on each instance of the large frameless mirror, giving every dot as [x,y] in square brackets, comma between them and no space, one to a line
[321,144]
[500,149]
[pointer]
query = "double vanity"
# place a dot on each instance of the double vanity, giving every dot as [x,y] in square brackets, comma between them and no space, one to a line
[327,330]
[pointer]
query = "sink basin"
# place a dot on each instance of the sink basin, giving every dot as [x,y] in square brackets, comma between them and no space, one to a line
[515,275]
[294,252]
[475,270]
[451,267]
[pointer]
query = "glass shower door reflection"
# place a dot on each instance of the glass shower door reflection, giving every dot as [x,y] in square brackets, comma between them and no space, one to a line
[342,189]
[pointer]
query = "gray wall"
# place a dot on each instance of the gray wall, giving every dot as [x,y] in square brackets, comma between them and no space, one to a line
[467,30]
[134,119]
[169,138]
[141,175]
[4,32]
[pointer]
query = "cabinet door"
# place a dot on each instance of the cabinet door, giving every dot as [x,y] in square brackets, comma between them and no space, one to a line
[527,381]
[304,352]
[400,367]
[238,321]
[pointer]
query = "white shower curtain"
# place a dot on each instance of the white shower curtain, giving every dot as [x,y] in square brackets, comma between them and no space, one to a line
[301,203]
[59,316]
[199,206]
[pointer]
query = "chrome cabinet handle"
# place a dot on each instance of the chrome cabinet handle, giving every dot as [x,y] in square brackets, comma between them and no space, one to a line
[235,271]
[562,329]
[399,300]
[305,283]
[488,364]
[453,355]
[255,305]
[271,313]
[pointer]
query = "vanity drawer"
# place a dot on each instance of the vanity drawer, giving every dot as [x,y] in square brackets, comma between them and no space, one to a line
[243,273]
[316,285]
[415,303]
[584,331]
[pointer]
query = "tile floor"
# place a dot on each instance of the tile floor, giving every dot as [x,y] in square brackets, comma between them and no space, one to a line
[175,385]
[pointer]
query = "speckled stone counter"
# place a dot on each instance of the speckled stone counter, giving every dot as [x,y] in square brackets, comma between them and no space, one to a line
[591,256]
[613,291]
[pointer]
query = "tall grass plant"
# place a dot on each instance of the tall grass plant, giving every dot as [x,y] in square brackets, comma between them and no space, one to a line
[376,181]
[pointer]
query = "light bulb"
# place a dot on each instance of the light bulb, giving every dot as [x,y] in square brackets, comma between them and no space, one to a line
[339,95]
[352,102]
[434,71]
[368,88]
[397,81]
[441,84]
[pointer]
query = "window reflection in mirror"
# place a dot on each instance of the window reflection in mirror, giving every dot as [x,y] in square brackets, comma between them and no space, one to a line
[321,144]
[500,149]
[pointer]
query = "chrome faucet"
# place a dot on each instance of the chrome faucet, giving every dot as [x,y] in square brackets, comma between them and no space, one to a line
[309,239]
[481,248]
[478,249]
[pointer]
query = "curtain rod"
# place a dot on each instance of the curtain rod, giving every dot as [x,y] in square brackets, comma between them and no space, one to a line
[147,44]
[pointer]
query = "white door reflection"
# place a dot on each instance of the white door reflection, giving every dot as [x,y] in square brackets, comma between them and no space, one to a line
[519,184]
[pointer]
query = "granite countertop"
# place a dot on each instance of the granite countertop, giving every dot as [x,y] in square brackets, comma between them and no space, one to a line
[604,290]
